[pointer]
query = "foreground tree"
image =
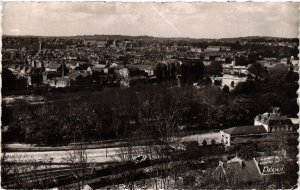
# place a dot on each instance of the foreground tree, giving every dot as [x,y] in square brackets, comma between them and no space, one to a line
[78,160]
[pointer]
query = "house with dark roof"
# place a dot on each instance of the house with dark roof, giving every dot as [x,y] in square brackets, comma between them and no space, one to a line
[148,69]
[274,122]
[231,135]
[80,78]
[238,171]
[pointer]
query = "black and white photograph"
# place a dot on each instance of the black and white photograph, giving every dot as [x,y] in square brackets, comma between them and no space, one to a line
[149,95]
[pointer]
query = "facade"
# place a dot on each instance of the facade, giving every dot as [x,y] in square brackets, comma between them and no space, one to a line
[229,80]
[242,132]
[263,124]
[274,122]
[62,82]
[212,49]
[53,67]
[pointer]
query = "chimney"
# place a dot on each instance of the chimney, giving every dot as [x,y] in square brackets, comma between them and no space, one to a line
[63,69]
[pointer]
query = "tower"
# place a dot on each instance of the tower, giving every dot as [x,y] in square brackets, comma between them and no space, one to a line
[40,46]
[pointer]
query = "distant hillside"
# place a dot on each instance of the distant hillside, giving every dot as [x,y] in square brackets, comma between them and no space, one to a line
[119,37]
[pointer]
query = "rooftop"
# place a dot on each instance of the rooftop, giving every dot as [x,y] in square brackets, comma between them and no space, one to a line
[53,66]
[244,170]
[245,130]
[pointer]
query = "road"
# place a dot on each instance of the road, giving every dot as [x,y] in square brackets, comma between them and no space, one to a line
[103,155]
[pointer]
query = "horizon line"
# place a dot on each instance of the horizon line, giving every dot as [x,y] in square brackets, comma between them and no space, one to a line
[258,36]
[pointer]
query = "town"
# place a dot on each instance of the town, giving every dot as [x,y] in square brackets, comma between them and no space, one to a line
[42,63]
[139,112]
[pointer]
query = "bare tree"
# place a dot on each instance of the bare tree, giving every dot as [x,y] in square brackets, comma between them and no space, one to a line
[18,171]
[78,160]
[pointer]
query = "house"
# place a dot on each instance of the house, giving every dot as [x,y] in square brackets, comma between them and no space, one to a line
[196,50]
[79,78]
[101,43]
[62,82]
[89,42]
[229,80]
[93,70]
[53,67]
[123,72]
[238,171]
[148,69]
[235,69]
[275,122]
[230,135]
[212,49]
[206,62]
[48,75]
[225,48]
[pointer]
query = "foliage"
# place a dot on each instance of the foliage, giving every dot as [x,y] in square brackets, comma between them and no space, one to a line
[215,69]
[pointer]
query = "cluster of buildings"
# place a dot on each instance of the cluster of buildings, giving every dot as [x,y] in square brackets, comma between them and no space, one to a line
[264,124]
[61,63]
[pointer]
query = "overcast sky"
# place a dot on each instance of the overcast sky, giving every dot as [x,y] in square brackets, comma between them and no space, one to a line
[195,20]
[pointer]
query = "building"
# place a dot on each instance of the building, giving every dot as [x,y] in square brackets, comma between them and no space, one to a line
[212,49]
[237,171]
[53,67]
[241,133]
[229,80]
[263,124]
[60,82]
[274,122]
[79,78]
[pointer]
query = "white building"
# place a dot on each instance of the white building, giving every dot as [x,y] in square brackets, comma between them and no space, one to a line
[230,80]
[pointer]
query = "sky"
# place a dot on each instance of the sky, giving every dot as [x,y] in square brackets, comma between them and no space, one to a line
[193,20]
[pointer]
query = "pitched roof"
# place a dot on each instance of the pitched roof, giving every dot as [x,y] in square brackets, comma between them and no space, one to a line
[240,140]
[277,117]
[244,170]
[235,159]
[53,66]
[244,130]
[62,79]
[74,75]
[101,66]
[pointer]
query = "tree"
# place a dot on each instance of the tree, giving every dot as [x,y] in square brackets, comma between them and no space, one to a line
[247,152]
[213,141]
[78,160]
[232,84]
[159,72]
[17,175]
[125,156]
[258,70]
[242,110]
[10,83]
[215,69]
[226,89]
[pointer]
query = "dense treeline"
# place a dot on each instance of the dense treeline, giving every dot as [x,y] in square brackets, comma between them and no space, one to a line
[149,110]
